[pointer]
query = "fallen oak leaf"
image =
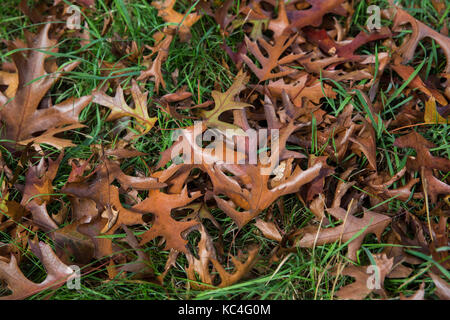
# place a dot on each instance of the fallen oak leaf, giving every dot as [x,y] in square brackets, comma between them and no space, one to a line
[142,266]
[323,40]
[423,156]
[442,287]
[154,70]
[160,205]
[268,229]
[183,22]
[57,274]
[224,102]
[367,279]
[311,16]
[207,255]
[303,87]
[424,163]
[257,195]
[416,83]
[119,107]
[419,31]
[279,24]
[21,115]
[273,60]
[48,137]
[105,195]
[38,190]
[351,226]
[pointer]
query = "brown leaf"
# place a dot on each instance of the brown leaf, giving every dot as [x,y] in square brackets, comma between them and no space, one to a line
[22,116]
[161,205]
[142,266]
[419,31]
[154,70]
[423,156]
[119,107]
[312,16]
[363,286]
[273,60]
[442,287]
[416,83]
[21,287]
[371,222]
[207,255]
[225,101]
[183,21]
[268,229]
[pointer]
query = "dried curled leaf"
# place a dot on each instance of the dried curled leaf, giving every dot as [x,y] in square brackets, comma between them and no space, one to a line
[207,255]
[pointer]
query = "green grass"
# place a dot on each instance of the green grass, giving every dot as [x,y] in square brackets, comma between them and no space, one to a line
[304,274]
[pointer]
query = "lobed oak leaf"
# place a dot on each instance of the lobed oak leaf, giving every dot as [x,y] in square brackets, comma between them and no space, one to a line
[207,255]
[22,116]
[225,101]
[142,267]
[57,274]
[71,246]
[442,286]
[273,60]
[259,196]
[302,87]
[154,70]
[416,83]
[182,22]
[119,107]
[160,205]
[419,32]
[323,40]
[106,196]
[370,222]
[366,280]
[423,156]
[279,24]
[424,163]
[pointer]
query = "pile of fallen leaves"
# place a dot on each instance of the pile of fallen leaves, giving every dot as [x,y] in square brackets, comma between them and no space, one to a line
[295,57]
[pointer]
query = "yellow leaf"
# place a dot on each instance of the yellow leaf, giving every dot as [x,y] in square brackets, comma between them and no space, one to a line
[431,115]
